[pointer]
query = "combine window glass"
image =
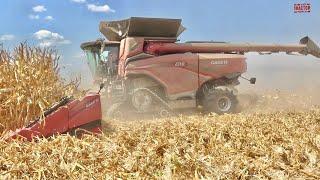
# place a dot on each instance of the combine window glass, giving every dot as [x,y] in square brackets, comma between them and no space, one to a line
[104,56]
[102,64]
[92,60]
[110,54]
[109,58]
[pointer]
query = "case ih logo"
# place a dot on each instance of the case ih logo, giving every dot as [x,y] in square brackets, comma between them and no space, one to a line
[302,8]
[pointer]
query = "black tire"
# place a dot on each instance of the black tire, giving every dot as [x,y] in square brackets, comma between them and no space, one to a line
[221,102]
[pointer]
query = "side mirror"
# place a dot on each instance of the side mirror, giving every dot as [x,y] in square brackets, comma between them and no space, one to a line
[253,80]
[101,87]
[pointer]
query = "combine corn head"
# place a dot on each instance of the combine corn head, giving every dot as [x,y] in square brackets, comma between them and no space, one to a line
[146,70]
[71,116]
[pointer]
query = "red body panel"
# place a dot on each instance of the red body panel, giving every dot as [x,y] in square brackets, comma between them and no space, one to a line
[86,110]
[215,66]
[178,73]
[183,74]
[181,68]
[76,114]
[129,47]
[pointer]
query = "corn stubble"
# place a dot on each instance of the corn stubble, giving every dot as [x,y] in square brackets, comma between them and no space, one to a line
[276,145]
[29,83]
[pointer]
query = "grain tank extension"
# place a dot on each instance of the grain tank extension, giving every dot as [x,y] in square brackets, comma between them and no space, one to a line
[146,69]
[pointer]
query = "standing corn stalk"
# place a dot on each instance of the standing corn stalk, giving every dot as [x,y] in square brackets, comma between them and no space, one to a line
[29,83]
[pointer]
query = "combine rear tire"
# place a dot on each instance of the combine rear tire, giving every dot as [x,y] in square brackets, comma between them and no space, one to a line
[220,102]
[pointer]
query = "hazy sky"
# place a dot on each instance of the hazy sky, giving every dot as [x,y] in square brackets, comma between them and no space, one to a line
[65,24]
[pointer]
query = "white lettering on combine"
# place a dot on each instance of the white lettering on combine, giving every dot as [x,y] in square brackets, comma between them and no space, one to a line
[180,64]
[91,103]
[219,62]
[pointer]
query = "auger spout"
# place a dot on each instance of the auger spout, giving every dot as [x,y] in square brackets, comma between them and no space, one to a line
[305,47]
[310,47]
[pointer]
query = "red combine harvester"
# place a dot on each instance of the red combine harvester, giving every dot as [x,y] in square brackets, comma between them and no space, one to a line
[145,70]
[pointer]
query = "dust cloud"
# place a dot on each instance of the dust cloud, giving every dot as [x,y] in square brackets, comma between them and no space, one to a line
[284,82]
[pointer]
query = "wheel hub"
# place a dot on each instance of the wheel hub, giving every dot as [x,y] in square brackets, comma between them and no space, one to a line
[142,101]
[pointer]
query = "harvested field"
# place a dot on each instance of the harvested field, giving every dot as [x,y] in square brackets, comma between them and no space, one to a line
[275,145]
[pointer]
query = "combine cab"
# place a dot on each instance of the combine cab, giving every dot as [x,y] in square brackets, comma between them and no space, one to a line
[145,69]
[102,58]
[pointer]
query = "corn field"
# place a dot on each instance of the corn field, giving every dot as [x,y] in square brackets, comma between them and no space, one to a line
[29,83]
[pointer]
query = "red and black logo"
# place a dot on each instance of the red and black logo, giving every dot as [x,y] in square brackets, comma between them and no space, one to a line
[302,8]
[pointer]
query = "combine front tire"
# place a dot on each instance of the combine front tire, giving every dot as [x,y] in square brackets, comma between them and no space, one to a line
[221,102]
[115,111]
